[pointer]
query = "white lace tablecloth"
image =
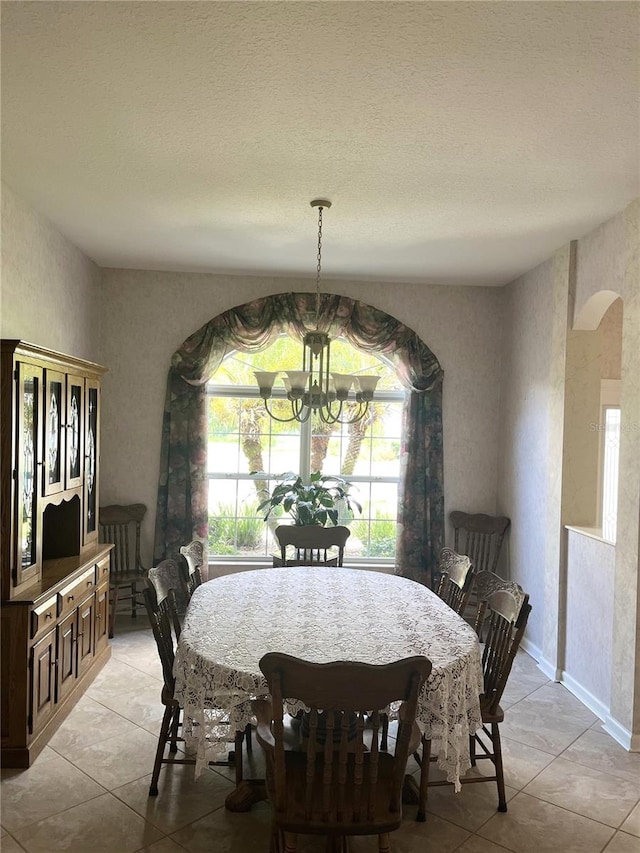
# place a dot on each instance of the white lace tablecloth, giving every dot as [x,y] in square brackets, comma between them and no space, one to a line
[320,615]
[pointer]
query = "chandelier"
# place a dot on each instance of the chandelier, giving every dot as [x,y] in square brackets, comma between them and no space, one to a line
[316,388]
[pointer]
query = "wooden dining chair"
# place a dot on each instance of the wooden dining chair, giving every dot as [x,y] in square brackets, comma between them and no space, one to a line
[166,581]
[192,563]
[121,525]
[506,622]
[486,583]
[456,579]
[480,537]
[310,545]
[161,625]
[335,786]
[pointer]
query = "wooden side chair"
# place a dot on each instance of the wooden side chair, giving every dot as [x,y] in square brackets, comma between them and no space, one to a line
[480,537]
[310,545]
[456,579]
[161,625]
[121,525]
[166,581]
[334,786]
[486,583]
[506,622]
[193,560]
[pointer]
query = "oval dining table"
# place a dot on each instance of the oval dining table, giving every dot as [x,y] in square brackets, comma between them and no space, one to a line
[321,614]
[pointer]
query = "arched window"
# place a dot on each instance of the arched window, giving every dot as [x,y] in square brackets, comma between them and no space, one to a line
[183,487]
[244,439]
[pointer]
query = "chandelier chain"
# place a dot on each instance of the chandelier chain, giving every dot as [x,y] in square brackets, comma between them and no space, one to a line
[316,388]
[319,266]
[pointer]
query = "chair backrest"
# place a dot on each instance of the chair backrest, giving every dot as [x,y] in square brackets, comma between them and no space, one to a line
[311,544]
[342,783]
[487,583]
[193,555]
[456,579]
[506,623]
[480,537]
[121,525]
[161,627]
[167,583]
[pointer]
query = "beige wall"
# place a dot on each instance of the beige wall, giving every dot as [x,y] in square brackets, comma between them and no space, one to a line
[609,260]
[530,458]
[49,292]
[610,332]
[147,315]
[540,310]
[589,623]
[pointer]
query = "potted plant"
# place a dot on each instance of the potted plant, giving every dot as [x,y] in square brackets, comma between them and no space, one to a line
[317,502]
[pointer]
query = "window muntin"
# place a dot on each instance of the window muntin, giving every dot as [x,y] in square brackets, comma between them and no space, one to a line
[243,438]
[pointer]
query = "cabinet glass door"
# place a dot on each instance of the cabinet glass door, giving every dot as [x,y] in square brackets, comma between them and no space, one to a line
[75,429]
[92,451]
[29,459]
[54,445]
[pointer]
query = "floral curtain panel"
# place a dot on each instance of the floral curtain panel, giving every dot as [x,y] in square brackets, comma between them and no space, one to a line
[182,512]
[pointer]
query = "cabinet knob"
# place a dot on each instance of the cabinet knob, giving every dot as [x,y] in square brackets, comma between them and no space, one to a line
[48,615]
[70,597]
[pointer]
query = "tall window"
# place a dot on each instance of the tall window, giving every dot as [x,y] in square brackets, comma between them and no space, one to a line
[610,467]
[243,439]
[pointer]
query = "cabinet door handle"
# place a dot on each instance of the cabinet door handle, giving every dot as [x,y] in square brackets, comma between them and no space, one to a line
[71,598]
[48,615]
[89,583]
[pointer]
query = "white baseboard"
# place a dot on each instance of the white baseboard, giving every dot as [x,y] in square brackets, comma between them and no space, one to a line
[613,728]
[587,698]
[545,666]
[624,737]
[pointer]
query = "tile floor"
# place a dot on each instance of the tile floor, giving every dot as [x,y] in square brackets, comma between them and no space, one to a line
[571,788]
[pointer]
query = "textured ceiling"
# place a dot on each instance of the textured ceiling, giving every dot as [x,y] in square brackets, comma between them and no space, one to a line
[459,142]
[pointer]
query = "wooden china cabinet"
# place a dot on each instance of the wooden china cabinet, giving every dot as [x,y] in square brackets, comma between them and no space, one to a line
[54,573]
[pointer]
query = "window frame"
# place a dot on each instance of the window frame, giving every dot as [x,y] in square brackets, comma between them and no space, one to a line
[251,392]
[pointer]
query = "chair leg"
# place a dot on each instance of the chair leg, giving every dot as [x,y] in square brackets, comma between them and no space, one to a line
[472,749]
[290,842]
[175,725]
[497,760]
[424,779]
[112,615]
[238,756]
[384,845]
[134,600]
[247,737]
[275,842]
[162,739]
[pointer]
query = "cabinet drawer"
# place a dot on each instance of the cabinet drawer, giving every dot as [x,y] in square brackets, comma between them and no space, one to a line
[102,569]
[43,616]
[72,594]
